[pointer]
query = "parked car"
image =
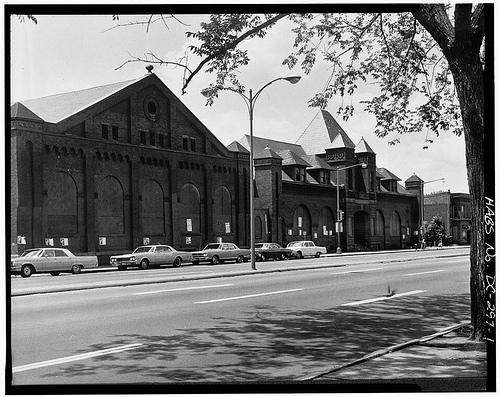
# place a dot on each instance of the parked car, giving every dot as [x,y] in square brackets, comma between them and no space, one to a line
[265,251]
[301,249]
[50,260]
[220,252]
[150,255]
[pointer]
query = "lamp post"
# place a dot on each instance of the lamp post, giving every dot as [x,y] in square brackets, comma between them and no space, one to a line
[422,206]
[339,219]
[250,102]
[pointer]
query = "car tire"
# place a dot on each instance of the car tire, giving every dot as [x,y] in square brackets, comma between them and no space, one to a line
[27,271]
[76,269]
[177,262]
[214,260]
[318,254]
[263,257]
[299,255]
[283,257]
[144,264]
[55,273]
[240,259]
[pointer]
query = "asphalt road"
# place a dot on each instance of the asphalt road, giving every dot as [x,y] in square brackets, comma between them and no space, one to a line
[268,327]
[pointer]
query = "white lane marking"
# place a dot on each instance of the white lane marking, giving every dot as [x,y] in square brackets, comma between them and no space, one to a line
[418,274]
[250,296]
[418,291]
[182,289]
[78,357]
[359,271]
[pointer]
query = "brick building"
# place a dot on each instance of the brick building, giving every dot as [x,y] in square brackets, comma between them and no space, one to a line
[109,168]
[454,209]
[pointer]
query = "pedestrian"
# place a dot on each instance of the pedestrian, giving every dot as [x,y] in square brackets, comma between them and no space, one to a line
[440,244]
[423,244]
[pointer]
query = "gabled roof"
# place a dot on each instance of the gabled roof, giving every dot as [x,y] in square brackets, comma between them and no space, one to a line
[317,163]
[363,147]
[321,132]
[387,175]
[19,111]
[55,108]
[268,153]
[414,178]
[237,147]
[291,158]
[259,144]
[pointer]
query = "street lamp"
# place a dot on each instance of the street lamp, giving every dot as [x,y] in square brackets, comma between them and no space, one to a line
[422,206]
[339,219]
[250,102]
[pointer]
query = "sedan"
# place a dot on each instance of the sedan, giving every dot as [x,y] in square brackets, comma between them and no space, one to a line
[265,251]
[150,255]
[219,252]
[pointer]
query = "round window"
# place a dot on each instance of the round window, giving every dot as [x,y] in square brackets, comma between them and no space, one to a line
[151,108]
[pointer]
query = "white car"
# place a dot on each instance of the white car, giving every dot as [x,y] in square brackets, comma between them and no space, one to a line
[150,255]
[301,249]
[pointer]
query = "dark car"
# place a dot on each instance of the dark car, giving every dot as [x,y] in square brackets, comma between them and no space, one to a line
[265,251]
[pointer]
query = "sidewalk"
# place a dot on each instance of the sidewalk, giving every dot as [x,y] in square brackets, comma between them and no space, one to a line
[446,361]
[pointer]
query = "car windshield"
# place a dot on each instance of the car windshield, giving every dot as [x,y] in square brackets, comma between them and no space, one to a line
[31,253]
[212,247]
[141,250]
[260,245]
[295,243]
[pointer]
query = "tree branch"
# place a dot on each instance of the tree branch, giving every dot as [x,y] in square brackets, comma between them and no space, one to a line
[230,46]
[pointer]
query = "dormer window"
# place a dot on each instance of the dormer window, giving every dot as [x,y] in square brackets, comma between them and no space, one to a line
[300,174]
[324,177]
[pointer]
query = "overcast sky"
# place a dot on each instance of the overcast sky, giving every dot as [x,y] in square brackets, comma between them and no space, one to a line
[68,53]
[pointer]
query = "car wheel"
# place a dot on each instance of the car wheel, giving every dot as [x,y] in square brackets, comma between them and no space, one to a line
[215,260]
[299,255]
[177,262]
[239,259]
[318,254]
[76,269]
[27,271]
[55,273]
[121,267]
[263,257]
[283,257]
[144,264]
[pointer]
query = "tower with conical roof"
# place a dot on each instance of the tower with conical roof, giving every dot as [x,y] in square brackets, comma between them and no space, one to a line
[366,180]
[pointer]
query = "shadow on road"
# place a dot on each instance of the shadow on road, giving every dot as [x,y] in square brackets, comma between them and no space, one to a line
[268,343]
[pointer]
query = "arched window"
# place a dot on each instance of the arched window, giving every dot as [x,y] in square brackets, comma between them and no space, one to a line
[326,223]
[110,207]
[379,224]
[395,224]
[153,214]
[62,206]
[258,227]
[222,211]
[302,222]
[189,209]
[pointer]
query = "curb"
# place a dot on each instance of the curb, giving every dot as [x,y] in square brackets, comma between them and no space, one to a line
[388,350]
[124,283]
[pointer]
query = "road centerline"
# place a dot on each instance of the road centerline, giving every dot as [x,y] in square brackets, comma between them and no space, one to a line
[77,357]
[182,289]
[418,291]
[249,296]
[418,274]
[358,271]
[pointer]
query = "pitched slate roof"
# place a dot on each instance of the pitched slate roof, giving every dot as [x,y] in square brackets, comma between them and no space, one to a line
[363,147]
[291,158]
[268,153]
[259,144]
[322,132]
[386,174]
[237,147]
[414,178]
[55,108]
[317,163]
[19,111]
